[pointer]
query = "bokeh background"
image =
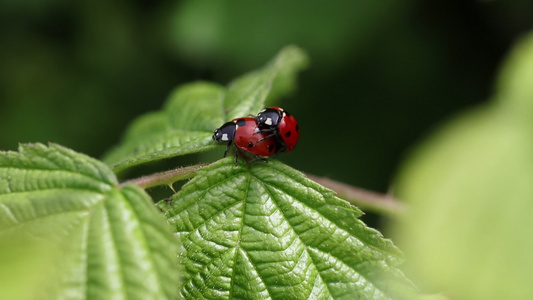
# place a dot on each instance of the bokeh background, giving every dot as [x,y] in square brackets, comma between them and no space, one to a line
[382,74]
[384,77]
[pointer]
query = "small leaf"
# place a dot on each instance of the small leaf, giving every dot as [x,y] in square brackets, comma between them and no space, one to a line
[112,242]
[194,111]
[185,125]
[247,94]
[265,231]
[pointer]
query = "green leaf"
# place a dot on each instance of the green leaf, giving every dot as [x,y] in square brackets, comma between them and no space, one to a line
[194,111]
[184,126]
[111,242]
[265,231]
[469,189]
[247,95]
[24,279]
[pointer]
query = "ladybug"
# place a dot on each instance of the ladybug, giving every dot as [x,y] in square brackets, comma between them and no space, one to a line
[280,124]
[246,136]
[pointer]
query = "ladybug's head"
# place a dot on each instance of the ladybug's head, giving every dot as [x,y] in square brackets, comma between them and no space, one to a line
[225,133]
[269,117]
[217,136]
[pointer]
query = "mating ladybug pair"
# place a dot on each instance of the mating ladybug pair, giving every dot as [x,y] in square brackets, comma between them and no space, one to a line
[272,131]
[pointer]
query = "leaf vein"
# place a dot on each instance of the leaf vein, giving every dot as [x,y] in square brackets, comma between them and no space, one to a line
[271,195]
[121,271]
[201,197]
[239,236]
[144,241]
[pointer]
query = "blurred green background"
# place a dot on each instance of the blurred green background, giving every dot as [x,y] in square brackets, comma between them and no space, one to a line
[383,77]
[383,74]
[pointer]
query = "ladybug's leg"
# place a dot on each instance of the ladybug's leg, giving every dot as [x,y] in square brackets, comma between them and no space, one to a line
[267,137]
[227,149]
[281,148]
[262,158]
[265,130]
[236,157]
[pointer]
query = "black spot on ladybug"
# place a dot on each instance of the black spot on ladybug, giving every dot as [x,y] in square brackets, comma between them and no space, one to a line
[270,147]
[297,128]
[288,134]
[250,145]
[240,122]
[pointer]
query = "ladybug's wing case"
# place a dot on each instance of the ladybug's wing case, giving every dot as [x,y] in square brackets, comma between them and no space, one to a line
[289,131]
[248,138]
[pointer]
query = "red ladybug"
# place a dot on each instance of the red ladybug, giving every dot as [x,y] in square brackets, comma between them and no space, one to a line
[246,135]
[281,124]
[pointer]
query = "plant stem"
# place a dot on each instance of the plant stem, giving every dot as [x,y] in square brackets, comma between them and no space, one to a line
[164,178]
[364,199]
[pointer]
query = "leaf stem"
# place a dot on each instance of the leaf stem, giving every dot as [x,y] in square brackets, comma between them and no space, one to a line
[364,199]
[164,178]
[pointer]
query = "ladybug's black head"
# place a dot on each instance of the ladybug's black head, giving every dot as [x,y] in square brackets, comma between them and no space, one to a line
[225,133]
[268,117]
